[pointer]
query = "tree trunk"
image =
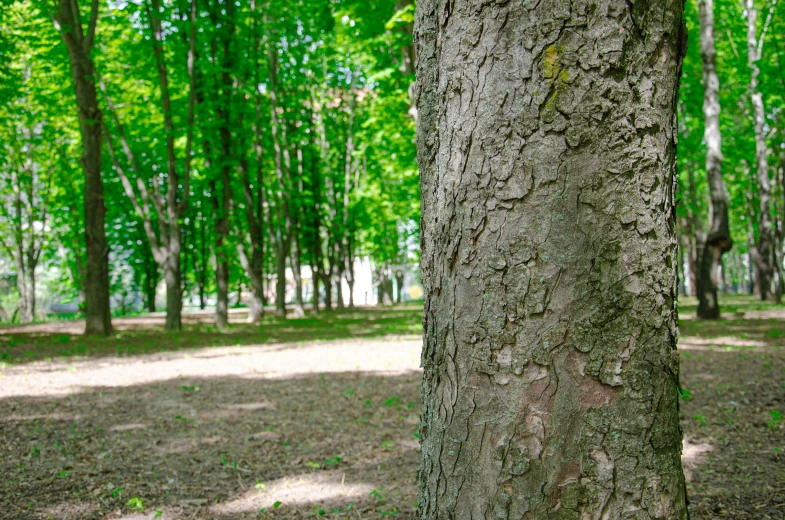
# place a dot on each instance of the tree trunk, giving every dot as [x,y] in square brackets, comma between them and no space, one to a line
[315,275]
[398,286]
[299,309]
[718,239]
[328,291]
[25,297]
[339,290]
[547,161]
[763,247]
[150,283]
[280,282]
[98,319]
[253,269]
[174,294]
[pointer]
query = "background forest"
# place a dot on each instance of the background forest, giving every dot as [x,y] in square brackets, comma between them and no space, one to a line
[242,140]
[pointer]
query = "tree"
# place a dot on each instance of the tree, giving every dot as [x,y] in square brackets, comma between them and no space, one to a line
[718,239]
[162,223]
[546,145]
[762,251]
[67,20]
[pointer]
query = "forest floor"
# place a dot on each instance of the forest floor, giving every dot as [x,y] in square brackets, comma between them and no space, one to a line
[319,417]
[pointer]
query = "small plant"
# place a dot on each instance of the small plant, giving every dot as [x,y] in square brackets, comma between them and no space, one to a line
[332,461]
[388,513]
[775,418]
[277,504]
[392,401]
[685,394]
[191,388]
[158,513]
[116,492]
[260,486]
[701,420]
[135,504]
[225,461]
[388,445]
[377,494]
[344,511]
[313,465]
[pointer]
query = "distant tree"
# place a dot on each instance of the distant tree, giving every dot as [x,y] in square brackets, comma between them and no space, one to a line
[718,239]
[762,252]
[67,20]
[547,146]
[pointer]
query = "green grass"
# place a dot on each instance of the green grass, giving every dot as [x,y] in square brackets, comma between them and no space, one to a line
[345,324]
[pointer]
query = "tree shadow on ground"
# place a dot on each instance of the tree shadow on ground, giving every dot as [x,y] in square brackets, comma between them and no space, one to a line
[215,447]
[229,431]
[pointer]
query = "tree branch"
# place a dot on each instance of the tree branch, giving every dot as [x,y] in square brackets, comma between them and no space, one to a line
[87,43]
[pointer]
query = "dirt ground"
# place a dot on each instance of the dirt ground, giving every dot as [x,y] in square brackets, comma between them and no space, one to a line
[285,422]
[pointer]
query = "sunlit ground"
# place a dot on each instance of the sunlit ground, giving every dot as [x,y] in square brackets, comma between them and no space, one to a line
[318,417]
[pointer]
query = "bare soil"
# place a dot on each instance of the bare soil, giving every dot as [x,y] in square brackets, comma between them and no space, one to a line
[275,423]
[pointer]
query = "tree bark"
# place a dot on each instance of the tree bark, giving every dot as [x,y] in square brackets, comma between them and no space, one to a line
[718,239]
[763,251]
[98,318]
[280,283]
[399,274]
[546,148]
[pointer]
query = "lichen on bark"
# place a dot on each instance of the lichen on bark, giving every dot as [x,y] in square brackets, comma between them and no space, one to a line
[546,144]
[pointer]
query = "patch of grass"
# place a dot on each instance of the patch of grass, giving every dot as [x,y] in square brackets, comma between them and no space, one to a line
[146,338]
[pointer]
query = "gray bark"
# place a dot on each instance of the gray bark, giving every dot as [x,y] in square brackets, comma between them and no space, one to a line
[98,318]
[546,147]
[762,252]
[718,239]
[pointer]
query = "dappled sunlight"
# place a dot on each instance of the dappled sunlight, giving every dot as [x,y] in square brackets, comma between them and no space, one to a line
[693,455]
[384,356]
[721,344]
[317,488]
[75,509]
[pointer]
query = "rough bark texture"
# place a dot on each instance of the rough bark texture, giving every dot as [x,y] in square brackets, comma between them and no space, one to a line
[762,252]
[718,240]
[98,320]
[546,145]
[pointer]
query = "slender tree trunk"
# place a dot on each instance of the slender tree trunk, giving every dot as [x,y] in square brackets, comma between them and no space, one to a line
[254,272]
[694,233]
[398,285]
[174,294]
[202,277]
[339,301]
[98,320]
[221,258]
[280,282]
[328,291]
[718,239]
[315,275]
[150,283]
[25,298]
[763,246]
[299,309]
[550,385]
